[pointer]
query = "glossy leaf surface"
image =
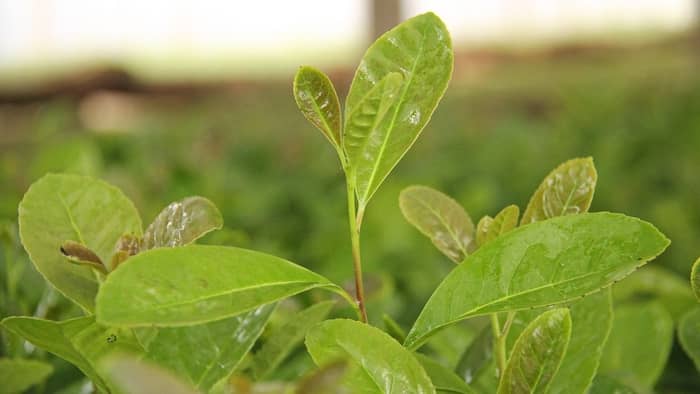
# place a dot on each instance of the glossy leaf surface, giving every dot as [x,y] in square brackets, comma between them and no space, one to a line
[689,335]
[603,384]
[439,218]
[182,222]
[378,364]
[537,353]
[135,376]
[544,263]
[491,228]
[420,50]
[284,338]
[318,102]
[18,375]
[59,208]
[444,380]
[197,284]
[566,190]
[80,341]
[639,344]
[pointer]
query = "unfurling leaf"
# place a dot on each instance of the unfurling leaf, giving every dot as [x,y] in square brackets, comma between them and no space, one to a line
[490,228]
[135,376]
[566,190]
[420,50]
[548,262]
[182,223]
[318,102]
[377,363]
[18,375]
[439,218]
[537,354]
[57,208]
[80,254]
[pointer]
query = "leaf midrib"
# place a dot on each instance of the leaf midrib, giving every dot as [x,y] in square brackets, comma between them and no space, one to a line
[444,224]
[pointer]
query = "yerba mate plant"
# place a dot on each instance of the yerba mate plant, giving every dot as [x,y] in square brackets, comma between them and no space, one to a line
[162,314]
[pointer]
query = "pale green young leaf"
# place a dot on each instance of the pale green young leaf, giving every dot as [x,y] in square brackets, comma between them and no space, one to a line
[537,354]
[80,341]
[134,376]
[439,218]
[689,334]
[490,228]
[567,190]
[444,380]
[58,208]
[378,364]
[639,344]
[284,338]
[318,102]
[182,222]
[17,375]
[197,284]
[206,353]
[695,278]
[420,50]
[548,262]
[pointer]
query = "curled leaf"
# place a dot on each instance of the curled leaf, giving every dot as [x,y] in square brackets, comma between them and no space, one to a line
[80,254]
[318,102]
[490,228]
[182,222]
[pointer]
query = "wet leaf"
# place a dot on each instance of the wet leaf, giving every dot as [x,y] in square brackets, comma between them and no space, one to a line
[210,283]
[420,50]
[18,375]
[444,380]
[80,341]
[548,262]
[284,338]
[490,228]
[689,334]
[638,345]
[566,190]
[326,380]
[537,353]
[439,218]
[378,364]
[318,102]
[182,222]
[695,278]
[57,208]
[79,254]
[135,376]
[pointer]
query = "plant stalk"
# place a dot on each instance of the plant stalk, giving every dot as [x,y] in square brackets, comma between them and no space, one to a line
[355,221]
[499,344]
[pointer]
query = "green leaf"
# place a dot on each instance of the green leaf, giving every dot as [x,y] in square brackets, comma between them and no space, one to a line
[57,208]
[206,353]
[537,354]
[606,385]
[639,344]
[379,364]
[695,278]
[477,358]
[284,338]
[80,341]
[135,376]
[18,375]
[566,190]
[490,228]
[689,334]
[182,222]
[439,218]
[444,380]
[548,262]
[420,50]
[318,102]
[393,328]
[197,284]
[325,380]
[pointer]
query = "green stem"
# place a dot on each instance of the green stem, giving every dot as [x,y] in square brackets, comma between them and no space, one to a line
[355,221]
[499,344]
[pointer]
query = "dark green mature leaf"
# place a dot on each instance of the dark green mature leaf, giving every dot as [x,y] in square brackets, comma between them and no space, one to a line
[182,222]
[420,50]
[689,334]
[439,218]
[80,341]
[57,208]
[566,190]
[490,228]
[206,353]
[444,380]
[197,284]
[695,278]
[18,375]
[379,364]
[639,344]
[284,338]
[548,262]
[478,357]
[537,354]
[318,102]
[135,376]
[606,385]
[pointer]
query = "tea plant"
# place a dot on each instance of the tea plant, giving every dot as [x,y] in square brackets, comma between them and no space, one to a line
[162,313]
